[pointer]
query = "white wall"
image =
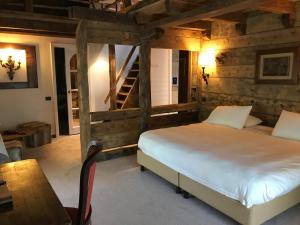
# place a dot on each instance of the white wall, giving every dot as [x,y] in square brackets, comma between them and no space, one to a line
[24,105]
[98,76]
[161,76]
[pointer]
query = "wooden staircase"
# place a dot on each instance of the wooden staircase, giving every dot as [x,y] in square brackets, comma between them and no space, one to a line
[128,94]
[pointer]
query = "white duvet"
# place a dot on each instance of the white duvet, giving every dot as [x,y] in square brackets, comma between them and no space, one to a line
[248,165]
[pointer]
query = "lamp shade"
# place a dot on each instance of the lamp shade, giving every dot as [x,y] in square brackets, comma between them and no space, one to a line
[207,58]
[19,55]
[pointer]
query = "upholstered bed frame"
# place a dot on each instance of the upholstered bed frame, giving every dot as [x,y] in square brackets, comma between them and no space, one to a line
[256,215]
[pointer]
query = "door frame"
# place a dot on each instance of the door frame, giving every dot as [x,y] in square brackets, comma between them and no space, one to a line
[72,129]
[54,94]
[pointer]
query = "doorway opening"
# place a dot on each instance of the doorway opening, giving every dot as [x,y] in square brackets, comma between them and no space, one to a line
[67,90]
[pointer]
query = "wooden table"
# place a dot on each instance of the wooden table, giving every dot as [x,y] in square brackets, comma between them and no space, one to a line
[34,201]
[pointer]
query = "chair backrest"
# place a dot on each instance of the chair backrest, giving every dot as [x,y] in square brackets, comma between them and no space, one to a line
[86,184]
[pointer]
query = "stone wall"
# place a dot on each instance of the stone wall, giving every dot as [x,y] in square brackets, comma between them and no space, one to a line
[234,81]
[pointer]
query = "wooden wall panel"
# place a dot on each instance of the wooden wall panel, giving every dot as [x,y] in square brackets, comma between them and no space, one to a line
[116,133]
[116,114]
[182,39]
[233,83]
[276,37]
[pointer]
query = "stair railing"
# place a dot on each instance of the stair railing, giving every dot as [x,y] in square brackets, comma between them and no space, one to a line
[119,75]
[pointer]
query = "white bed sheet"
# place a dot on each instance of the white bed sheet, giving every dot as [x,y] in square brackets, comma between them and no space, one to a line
[248,165]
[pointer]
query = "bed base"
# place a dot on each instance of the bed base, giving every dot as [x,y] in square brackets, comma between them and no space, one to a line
[253,216]
[158,168]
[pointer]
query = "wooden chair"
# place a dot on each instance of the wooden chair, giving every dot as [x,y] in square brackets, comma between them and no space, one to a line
[82,214]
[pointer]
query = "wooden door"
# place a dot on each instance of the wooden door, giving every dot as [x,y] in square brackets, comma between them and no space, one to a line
[183,84]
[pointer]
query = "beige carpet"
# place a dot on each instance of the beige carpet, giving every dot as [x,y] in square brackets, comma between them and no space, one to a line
[125,196]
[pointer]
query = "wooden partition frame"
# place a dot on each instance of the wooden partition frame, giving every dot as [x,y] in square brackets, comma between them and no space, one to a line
[116,128]
[115,32]
[122,127]
[164,116]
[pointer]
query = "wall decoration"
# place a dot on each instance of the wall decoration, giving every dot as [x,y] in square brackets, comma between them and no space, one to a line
[18,66]
[277,66]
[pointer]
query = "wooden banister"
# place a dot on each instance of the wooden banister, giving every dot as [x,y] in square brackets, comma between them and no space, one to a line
[120,73]
[175,108]
[115,114]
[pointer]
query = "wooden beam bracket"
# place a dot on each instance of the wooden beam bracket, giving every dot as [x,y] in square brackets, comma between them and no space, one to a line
[206,35]
[241,28]
[288,20]
[151,34]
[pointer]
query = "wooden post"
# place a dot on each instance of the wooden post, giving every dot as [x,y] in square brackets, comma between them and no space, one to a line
[28,5]
[144,84]
[83,87]
[112,76]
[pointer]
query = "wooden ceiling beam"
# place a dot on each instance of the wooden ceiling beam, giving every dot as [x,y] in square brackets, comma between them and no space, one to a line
[32,26]
[198,25]
[214,8]
[80,1]
[276,6]
[287,8]
[236,17]
[143,5]
[36,16]
[33,23]
[96,15]
[30,8]
[29,5]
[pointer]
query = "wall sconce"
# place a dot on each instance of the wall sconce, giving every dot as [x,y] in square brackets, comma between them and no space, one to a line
[205,76]
[206,59]
[10,66]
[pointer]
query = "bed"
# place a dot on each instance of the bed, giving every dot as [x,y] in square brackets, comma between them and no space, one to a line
[247,174]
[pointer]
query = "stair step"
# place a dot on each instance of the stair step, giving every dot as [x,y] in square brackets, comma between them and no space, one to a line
[123,93]
[120,101]
[134,70]
[127,85]
[131,78]
[132,75]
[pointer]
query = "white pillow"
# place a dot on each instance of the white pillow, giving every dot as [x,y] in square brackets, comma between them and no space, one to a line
[252,121]
[232,116]
[288,126]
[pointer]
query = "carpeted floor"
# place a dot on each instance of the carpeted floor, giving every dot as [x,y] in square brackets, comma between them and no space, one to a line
[125,196]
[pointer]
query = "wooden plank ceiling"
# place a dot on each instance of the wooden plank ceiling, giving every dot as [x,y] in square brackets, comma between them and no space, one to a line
[187,14]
